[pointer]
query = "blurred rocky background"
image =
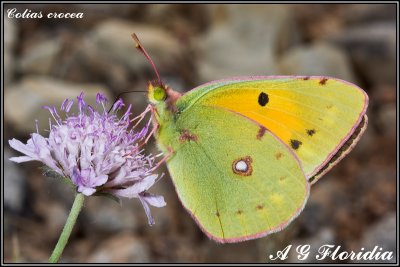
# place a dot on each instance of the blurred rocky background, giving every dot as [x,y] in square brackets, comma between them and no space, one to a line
[47,60]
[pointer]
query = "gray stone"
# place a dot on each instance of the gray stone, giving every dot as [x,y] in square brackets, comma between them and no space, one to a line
[317,212]
[375,186]
[363,146]
[372,50]
[10,36]
[108,216]
[110,46]
[122,248]
[185,21]
[56,216]
[14,183]
[367,13]
[382,234]
[24,100]
[10,32]
[41,57]
[387,120]
[244,40]
[319,59]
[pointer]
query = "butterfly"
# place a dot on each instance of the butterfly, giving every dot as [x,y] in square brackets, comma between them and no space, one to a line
[243,152]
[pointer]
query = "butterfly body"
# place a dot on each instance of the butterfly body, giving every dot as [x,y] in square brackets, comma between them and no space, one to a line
[244,151]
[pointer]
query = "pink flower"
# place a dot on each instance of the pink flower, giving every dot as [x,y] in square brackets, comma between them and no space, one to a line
[97,151]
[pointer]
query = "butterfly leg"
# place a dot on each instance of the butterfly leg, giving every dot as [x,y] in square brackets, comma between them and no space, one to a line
[138,119]
[155,128]
[156,125]
[165,158]
[141,116]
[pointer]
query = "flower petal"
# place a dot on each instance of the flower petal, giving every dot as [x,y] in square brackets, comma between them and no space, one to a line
[24,149]
[101,179]
[118,179]
[147,211]
[87,191]
[76,177]
[154,200]
[21,159]
[137,187]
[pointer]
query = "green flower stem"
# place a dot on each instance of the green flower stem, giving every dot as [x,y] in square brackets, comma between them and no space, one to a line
[69,225]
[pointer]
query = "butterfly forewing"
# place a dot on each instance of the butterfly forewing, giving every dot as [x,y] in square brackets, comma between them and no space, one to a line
[314,116]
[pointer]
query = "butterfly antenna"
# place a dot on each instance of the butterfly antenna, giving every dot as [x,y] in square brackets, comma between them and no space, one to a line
[139,47]
[119,96]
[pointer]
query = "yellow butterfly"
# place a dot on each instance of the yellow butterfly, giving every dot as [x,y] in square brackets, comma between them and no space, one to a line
[242,152]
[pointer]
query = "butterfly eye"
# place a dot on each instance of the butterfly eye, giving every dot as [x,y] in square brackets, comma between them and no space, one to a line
[159,93]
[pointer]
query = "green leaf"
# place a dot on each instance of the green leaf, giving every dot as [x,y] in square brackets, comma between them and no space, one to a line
[109,196]
[48,172]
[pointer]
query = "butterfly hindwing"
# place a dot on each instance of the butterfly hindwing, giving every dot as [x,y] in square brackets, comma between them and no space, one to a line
[236,178]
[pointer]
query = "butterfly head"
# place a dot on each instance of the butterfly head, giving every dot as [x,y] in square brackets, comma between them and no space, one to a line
[157,92]
[161,96]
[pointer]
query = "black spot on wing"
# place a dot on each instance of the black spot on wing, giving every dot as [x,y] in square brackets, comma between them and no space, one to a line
[310,132]
[263,99]
[295,144]
[323,81]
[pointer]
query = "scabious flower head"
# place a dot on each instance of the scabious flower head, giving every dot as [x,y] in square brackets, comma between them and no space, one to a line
[97,151]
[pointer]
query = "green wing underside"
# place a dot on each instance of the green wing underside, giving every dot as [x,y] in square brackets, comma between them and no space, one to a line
[230,207]
[314,116]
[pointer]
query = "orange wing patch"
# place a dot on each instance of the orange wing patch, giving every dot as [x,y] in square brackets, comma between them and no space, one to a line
[312,115]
